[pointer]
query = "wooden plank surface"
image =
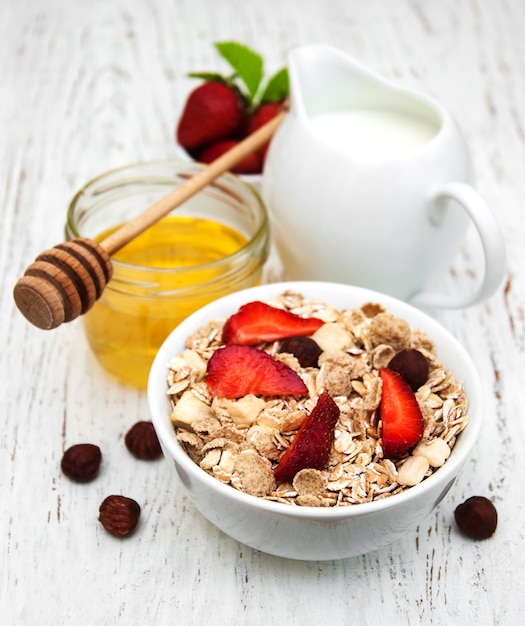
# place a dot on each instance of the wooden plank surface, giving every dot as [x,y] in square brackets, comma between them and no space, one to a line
[88,86]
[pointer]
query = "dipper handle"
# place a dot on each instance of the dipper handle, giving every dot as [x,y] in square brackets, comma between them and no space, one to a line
[66,280]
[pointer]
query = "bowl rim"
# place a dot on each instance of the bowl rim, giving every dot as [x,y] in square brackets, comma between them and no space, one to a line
[159,404]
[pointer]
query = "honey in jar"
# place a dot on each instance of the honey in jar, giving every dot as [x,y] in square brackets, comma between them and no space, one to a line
[214,244]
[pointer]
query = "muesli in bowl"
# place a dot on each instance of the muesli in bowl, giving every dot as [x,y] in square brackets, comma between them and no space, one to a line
[316,401]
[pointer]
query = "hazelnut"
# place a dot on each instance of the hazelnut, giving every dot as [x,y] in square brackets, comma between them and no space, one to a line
[119,515]
[412,365]
[477,517]
[81,462]
[142,441]
[304,349]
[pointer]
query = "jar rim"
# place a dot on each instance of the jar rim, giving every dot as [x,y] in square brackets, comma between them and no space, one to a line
[227,178]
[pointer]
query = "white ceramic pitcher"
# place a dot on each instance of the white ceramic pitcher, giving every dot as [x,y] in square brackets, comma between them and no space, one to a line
[369,183]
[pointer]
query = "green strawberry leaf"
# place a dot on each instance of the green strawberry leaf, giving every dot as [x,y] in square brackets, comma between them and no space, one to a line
[277,87]
[208,76]
[247,63]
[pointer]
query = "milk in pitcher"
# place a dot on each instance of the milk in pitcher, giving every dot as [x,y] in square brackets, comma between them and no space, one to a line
[372,135]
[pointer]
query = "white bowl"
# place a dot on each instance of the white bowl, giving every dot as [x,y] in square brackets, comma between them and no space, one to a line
[310,533]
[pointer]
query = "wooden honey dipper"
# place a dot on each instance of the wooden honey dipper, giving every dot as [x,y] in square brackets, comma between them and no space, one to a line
[66,280]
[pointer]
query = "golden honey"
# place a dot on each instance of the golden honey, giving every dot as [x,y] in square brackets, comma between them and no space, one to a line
[125,333]
[214,244]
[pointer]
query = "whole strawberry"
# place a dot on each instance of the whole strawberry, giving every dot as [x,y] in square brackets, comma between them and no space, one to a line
[225,109]
[213,111]
[262,115]
[251,164]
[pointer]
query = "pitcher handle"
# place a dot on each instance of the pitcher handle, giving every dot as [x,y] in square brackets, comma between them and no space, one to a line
[492,243]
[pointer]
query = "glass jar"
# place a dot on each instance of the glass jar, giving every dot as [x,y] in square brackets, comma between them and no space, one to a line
[215,243]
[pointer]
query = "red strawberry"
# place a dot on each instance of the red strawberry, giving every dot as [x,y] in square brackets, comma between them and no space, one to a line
[235,371]
[249,165]
[263,114]
[213,111]
[312,444]
[258,322]
[403,422]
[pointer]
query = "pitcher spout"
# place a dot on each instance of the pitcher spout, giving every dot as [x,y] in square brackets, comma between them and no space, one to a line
[325,79]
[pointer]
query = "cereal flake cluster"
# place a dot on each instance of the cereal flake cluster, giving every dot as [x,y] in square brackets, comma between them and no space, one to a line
[240,441]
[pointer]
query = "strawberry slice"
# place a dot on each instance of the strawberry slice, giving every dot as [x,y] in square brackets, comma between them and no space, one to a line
[403,422]
[257,322]
[235,371]
[312,444]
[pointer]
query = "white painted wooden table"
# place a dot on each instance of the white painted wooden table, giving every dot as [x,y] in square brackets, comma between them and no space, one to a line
[87,86]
